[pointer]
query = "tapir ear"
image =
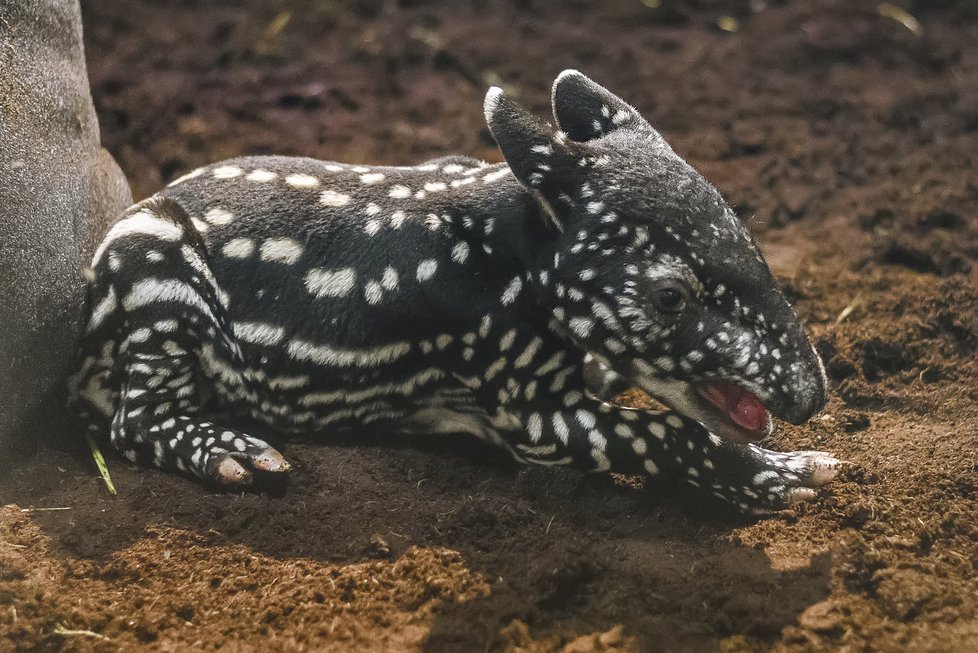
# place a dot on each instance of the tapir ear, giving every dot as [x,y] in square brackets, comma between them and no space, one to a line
[539,158]
[528,144]
[585,110]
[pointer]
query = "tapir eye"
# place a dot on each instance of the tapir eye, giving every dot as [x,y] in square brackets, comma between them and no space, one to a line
[670,296]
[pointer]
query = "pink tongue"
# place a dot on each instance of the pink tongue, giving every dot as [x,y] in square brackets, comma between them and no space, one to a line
[743,407]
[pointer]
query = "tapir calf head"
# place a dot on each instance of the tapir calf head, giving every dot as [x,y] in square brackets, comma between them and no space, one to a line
[647,268]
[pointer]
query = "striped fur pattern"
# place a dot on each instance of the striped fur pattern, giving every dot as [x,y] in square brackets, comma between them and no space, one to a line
[505,301]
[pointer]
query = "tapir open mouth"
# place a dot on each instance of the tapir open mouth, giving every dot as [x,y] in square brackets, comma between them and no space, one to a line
[722,406]
[738,405]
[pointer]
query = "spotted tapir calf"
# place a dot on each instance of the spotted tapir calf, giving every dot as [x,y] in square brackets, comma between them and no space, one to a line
[507,301]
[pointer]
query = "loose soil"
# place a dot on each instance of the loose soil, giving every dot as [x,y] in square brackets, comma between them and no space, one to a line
[845,132]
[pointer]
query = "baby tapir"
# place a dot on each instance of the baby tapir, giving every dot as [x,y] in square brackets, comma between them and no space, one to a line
[506,301]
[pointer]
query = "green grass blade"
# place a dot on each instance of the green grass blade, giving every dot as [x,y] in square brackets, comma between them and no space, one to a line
[103,470]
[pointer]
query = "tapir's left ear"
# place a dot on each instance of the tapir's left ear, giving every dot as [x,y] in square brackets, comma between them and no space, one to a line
[541,159]
[587,110]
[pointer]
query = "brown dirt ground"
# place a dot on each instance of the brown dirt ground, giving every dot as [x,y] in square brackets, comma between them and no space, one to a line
[850,141]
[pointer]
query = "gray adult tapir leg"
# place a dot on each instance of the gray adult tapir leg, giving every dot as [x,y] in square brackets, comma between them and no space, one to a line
[58,188]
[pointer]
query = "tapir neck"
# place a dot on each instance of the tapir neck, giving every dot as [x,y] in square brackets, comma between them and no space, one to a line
[498,213]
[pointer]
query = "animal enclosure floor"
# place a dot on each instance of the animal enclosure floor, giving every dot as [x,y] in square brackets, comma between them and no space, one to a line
[846,132]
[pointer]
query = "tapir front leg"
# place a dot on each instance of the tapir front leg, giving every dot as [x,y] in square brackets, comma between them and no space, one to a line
[597,436]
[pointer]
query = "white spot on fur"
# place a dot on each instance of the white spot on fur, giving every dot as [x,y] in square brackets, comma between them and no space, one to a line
[405,388]
[427,269]
[103,309]
[288,382]
[340,357]
[614,346]
[373,292]
[581,326]
[142,223]
[507,340]
[218,216]
[259,333]
[496,176]
[148,291]
[334,199]
[400,192]
[389,281]
[512,291]
[460,252]
[531,349]
[239,248]
[190,175]
[560,427]
[227,172]
[621,116]
[261,175]
[139,335]
[494,369]
[371,178]
[330,283]
[301,181]
[281,250]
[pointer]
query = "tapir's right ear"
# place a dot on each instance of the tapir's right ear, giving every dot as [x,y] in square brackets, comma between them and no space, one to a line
[539,157]
[586,110]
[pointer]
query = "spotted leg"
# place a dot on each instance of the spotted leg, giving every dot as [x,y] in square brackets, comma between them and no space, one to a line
[156,423]
[155,295]
[598,436]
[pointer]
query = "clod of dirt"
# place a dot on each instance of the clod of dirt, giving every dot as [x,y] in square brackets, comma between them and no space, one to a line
[903,593]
